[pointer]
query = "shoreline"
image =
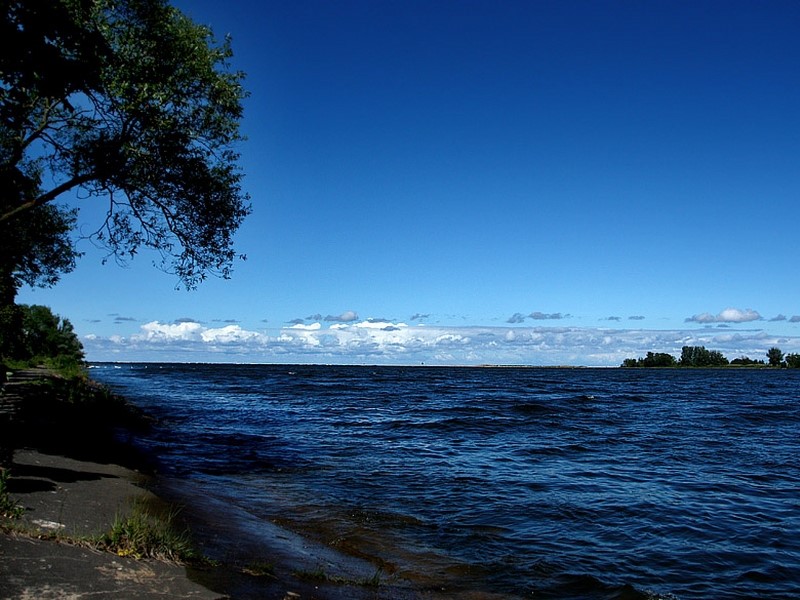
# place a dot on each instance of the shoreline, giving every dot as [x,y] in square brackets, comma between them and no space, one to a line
[73,489]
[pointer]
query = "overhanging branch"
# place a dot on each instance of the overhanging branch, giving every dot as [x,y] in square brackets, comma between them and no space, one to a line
[46,197]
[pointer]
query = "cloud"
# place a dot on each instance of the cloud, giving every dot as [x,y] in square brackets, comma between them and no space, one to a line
[230,321]
[795,319]
[380,342]
[169,332]
[374,324]
[120,319]
[230,334]
[536,316]
[613,319]
[419,316]
[540,316]
[636,318]
[729,315]
[347,316]
[311,327]
[186,320]
[316,317]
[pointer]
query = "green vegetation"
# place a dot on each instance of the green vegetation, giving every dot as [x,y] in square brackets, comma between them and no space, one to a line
[151,531]
[36,337]
[658,359]
[699,356]
[259,568]
[320,575]
[129,102]
[792,361]
[61,409]
[775,357]
[9,509]
[744,361]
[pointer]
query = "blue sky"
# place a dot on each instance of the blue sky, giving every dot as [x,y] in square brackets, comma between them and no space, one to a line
[488,182]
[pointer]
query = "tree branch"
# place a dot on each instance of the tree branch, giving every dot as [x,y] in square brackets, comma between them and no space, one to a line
[47,197]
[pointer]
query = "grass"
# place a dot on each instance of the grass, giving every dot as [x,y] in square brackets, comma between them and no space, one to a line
[152,530]
[259,568]
[10,509]
[320,575]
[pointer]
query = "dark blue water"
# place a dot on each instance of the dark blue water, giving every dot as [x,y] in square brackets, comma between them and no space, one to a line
[546,483]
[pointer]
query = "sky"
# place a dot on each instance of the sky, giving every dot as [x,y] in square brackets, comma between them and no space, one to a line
[487,182]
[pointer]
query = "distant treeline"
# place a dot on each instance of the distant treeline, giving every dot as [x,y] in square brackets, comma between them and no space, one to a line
[699,356]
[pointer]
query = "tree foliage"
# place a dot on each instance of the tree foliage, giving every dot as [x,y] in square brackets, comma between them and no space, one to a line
[42,336]
[793,361]
[124,101]
[653,359]
[745,361]
[699,356]
[775,357]
[36,250]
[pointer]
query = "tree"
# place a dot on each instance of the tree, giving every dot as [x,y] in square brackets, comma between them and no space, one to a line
[793,361]
[43,336]
[699,356]
[36,250]
[746,361]
[658,359]
[775,357]
[127,101]
[47,335]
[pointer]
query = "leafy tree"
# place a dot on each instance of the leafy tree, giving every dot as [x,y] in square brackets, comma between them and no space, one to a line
[699,356]
[127,101]
[775,357]
[47,335]
[793,361]
[653,359]
[746,361]
[36,250]
[658,359]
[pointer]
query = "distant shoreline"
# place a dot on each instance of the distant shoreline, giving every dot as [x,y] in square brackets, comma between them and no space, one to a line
[427,366]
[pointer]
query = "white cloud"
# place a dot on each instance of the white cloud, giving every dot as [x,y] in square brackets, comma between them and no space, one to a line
[729,315]
[311,327]
[170,332]
[384,343]
[378,324]
[230,334]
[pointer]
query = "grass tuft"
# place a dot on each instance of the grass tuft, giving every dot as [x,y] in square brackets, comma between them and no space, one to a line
[319,575]
[151,532]
[10,509]
[259,568]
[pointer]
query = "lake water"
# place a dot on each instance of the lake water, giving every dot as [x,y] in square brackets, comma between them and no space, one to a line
[546,483]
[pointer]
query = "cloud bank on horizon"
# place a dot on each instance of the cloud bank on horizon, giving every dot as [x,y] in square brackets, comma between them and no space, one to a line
[348,340]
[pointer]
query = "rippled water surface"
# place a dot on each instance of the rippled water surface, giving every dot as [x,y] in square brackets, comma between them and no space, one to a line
[551,483]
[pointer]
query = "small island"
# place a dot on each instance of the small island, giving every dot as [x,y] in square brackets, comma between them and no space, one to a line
[700,357]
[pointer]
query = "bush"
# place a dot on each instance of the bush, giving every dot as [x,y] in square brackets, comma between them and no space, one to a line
[34,335]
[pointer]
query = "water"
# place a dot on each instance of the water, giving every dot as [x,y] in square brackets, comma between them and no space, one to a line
[547,483]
